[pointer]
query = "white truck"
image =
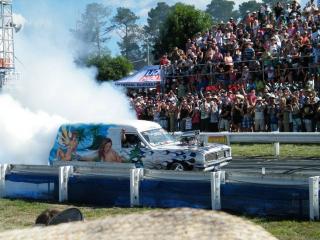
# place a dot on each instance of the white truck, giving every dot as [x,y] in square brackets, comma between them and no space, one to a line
[143,143]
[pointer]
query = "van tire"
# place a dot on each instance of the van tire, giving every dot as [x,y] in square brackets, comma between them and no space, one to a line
[177,166]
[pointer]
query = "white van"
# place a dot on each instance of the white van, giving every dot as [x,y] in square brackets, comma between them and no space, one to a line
[143,143]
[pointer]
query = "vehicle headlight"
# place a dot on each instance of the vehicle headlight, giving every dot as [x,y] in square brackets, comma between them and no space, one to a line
[227,153]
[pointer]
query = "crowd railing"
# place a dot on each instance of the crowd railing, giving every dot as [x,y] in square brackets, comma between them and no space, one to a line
[255,66]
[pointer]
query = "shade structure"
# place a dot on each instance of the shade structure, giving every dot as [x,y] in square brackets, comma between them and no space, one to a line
[147,77]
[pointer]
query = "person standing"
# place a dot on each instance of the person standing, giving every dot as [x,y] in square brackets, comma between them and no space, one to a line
[296,115]
[259,123]
[225,116]
[195,115]
[172,116]
[237,113]
[287,117]
[204,114]
[272,114]
[214,115]
[184,113]
[308,115]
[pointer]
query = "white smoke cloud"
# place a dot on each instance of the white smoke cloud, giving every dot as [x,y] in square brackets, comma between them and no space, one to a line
[52,90]
[25,136]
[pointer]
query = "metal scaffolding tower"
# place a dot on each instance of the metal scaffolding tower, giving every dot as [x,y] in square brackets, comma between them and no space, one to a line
[7,57]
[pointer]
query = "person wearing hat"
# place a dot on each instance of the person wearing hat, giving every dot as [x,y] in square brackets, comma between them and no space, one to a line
[259,110]
[214,114]
[237,112]
[249,52]
[172,115]
[272,114]
[225,116]
[296,114]
[233,23]
[204,115]
[195,118]
[308,113]
[310,82]
[278,10]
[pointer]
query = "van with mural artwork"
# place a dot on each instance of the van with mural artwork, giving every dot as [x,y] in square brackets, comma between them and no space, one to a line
[142,143]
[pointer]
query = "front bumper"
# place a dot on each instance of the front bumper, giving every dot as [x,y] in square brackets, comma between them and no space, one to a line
[214,165]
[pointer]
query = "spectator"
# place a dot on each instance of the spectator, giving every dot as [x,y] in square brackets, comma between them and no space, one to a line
[225,116]
[308,112]
[164,61]
[248,53]
[259,115]
[184,113]
[237,113]
[204,114]
[296,115]
[273,114]
[214,114]
[272,53]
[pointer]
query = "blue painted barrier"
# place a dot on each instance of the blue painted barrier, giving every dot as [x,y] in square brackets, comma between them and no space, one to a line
[111,191]
[168,194]
[31,186]
[265,200]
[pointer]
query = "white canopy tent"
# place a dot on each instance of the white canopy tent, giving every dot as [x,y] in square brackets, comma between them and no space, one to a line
[147,77]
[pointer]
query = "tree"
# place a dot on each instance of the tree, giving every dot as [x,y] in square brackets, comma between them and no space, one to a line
[251,6]
[130,34]
[183,22]
[156,18]
[110,68]
[221,10]
[272,3]
[92,30]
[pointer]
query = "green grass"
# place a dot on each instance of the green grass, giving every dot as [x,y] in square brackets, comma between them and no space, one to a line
[290,229]
[267,150]
[21,214]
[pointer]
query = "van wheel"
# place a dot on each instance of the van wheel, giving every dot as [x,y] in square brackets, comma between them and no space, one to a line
[176,166]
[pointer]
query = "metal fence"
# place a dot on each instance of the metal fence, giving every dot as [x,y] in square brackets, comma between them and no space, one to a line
[261,137]
[256,66]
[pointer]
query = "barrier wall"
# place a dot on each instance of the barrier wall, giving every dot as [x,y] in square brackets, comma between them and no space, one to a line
[245,194]
[106,191]
[175,193]
[32,186]
[266,199]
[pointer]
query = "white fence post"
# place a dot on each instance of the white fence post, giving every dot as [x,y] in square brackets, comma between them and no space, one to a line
[3,171]
[276,146]
[223,177]
[228,140]
[64,173]
[215,190]
[314,198]
[135,176]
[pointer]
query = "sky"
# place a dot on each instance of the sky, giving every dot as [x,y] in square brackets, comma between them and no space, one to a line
[61,15]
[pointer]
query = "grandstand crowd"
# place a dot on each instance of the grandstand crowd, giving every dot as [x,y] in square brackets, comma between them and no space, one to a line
[259,73]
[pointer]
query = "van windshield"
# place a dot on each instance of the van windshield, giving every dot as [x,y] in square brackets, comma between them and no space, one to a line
[158,137]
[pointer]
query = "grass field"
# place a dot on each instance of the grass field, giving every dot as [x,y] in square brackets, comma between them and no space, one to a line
[22,214]
[286,150]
